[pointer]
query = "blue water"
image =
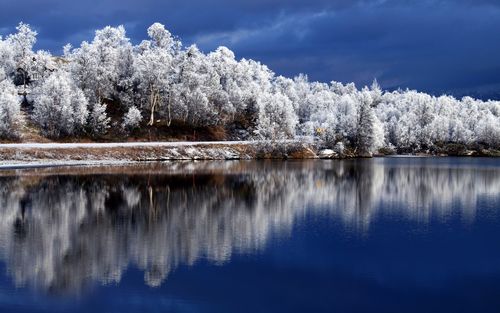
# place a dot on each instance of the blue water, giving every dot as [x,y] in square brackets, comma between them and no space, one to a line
[380,235]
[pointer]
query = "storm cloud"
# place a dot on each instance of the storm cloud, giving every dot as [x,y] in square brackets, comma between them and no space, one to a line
[435,46]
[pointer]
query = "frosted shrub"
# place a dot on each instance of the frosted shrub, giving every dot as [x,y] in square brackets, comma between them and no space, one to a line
[132,119]
[339,148]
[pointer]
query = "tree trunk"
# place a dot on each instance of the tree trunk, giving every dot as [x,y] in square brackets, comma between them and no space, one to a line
[153,102]
[168,108]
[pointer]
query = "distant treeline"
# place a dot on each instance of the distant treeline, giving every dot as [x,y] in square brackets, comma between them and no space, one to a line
[160,80]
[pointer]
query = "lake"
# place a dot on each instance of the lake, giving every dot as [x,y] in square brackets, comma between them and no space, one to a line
[378,235]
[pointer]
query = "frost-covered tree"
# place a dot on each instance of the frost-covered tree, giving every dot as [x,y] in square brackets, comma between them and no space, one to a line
[155,72]
[98,123]
[323,113]
[229,96]
[9,109]
[82,64]
[194,89]
[255,80]
[7,63]
[22,43]
[60,107]
[42,64]
[101,66]
[488,131]
[277,120]
[364,134]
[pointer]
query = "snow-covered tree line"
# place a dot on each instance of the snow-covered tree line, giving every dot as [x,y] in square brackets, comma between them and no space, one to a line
[159,81]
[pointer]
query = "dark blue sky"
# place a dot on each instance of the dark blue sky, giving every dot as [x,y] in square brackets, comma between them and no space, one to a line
[431,45]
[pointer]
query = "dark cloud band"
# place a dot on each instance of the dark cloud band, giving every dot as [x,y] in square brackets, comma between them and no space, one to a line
[436,46]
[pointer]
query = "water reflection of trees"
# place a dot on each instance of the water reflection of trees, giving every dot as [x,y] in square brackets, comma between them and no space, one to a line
[61,229]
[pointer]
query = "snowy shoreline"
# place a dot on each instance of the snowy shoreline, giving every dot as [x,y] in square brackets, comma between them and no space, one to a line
[15,155]
[46,155]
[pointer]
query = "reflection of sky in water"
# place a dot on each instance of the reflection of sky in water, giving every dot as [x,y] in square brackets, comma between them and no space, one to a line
[318,234]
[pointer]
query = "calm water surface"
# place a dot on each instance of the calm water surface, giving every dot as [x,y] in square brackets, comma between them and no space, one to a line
[379,235]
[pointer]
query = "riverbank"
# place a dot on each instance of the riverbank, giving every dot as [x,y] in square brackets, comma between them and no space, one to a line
[17,155]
